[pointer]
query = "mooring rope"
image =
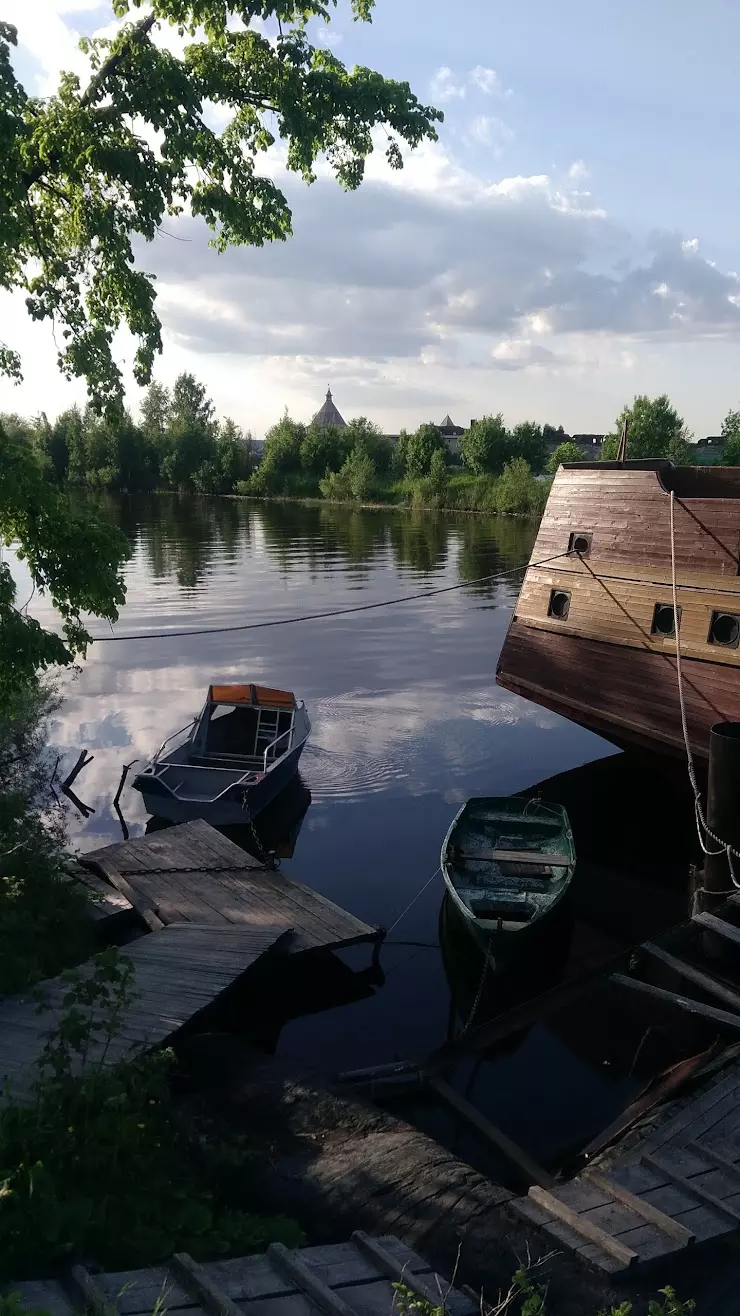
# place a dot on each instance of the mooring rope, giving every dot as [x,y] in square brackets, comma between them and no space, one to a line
[701,822]
[413,902]
[335,612]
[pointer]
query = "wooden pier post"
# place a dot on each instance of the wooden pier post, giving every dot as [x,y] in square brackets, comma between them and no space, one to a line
[723,813]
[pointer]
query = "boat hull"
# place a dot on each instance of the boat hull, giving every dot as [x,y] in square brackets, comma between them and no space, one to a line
[593,632]
[502,950]
[229,811]
[630,697]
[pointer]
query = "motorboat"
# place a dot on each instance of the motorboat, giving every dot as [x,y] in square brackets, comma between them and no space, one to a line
[229,762]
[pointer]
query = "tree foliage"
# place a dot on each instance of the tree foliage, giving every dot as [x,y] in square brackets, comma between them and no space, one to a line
[528,443]
[70,555]
[420,447]
[485,447]
[565,452]
[90,171]
[177,445]
[655,430]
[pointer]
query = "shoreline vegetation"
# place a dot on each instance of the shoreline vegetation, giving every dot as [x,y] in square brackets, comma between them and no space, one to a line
[179,446]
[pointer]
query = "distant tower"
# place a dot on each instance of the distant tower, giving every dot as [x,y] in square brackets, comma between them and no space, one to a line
[328,415]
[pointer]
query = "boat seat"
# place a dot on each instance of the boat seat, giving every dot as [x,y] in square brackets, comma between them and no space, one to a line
[516,911]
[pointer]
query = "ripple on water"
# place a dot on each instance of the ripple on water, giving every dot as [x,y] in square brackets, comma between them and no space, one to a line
[353,751]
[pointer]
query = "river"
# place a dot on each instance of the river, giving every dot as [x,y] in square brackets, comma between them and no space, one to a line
[407,723]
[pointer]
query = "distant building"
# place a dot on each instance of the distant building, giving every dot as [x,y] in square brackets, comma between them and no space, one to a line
[711,441]
[328,415]
[451,434]
[593,443]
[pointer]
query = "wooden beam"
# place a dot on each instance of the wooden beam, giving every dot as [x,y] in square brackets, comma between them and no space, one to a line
[521,1016]
[290,1266]
[692,974]
[721,1162]
[142,907]
[396,1271]
[665,1223]
[202,1286]
[672,998]
[691,1188]
[718,925]
[586,1228]
[94,1297]
[511,1151]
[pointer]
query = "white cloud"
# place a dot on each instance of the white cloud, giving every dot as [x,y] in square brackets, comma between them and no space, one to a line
[521,354]
[488,131]
[489,82]
[444,87]
[578,171]
[690,244]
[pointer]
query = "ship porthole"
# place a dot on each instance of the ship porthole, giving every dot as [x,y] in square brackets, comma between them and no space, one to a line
[725,629]
[559,604]
[580,543]
[664,621]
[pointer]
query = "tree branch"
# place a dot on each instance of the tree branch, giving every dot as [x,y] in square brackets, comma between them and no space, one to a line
[137,34]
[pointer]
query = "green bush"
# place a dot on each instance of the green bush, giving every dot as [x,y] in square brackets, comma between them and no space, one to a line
[565,452]
[518,492]
[99,1164]
[355,481]
[44,920]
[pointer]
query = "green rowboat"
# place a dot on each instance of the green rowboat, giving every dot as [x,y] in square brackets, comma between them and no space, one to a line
[508,862]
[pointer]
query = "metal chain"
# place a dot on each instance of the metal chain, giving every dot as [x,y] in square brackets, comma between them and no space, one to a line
[267,858]
[198,868]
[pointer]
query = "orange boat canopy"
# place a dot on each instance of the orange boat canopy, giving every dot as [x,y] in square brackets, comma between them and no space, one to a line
[251,694]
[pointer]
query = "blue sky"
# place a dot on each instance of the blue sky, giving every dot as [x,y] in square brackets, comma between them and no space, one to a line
[571,240]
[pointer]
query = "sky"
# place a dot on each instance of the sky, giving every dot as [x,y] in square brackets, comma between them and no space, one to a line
[569,241]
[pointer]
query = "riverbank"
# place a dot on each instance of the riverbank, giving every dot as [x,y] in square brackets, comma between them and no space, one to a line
[467,495]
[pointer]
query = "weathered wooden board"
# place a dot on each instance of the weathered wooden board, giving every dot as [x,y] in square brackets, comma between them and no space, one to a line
[191,873]
[631,696]
[341,1278]
[179,971]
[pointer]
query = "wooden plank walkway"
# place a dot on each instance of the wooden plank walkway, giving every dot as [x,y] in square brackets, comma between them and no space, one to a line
[681,1184]
[179,971]
[191,873]
[342,1279]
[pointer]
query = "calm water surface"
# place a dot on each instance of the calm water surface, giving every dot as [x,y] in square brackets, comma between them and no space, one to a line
[407,723]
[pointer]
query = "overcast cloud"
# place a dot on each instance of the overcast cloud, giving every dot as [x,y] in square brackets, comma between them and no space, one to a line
[471,280]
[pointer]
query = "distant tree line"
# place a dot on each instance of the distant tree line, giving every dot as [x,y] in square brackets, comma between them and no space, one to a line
[177,444]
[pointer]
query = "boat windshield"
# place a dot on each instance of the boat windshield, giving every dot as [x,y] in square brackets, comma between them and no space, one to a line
[241,731]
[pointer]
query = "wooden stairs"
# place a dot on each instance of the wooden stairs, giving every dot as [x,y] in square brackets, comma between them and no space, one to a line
[681,1185]
[342,1279]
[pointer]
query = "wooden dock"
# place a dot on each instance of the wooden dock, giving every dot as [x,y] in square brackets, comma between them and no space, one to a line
[180,971]
[193,874]
[680,1184]
[211,911]
[343,1279]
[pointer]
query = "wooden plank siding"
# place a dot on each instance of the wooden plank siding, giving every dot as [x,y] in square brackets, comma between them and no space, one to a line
[601,666]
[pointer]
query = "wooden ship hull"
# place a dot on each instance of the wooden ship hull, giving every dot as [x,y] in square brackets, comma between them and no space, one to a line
[593,632]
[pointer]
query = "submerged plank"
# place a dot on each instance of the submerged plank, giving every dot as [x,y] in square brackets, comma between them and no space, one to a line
[505,1144]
